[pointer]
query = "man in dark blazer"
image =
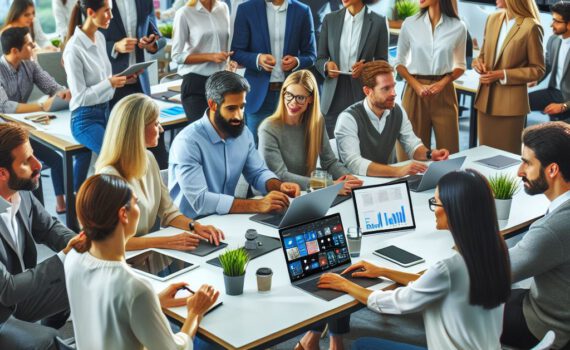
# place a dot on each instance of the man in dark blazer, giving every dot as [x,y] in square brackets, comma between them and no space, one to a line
[253,42]
[29,291]
[555,100]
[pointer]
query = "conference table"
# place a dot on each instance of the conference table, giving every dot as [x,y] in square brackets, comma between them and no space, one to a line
[257,320]
[57,136]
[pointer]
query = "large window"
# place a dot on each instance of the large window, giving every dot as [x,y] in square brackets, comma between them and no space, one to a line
[43,11]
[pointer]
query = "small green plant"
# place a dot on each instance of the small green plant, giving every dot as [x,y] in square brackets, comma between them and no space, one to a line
[166,30]
[504,186]
[56,42]
[234,262]
[406,8]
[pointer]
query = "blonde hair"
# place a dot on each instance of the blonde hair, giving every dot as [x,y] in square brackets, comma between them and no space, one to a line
[312,116]
[191,3]
[523,8]
[124,146]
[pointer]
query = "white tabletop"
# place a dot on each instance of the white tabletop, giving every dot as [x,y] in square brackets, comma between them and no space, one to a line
[252,318]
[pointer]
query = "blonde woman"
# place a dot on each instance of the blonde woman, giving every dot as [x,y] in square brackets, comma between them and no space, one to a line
[511,56]
[134,127]
[200,42]
[294,137]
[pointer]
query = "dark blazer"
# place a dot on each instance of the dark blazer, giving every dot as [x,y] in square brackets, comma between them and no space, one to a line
[251,38]
[551,61]
[146,25]
[20,275]
[373,46]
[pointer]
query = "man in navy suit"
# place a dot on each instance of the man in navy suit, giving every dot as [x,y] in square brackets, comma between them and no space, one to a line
[133,30]
[271,39]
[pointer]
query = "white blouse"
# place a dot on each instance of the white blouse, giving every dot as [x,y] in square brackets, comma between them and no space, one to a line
[40,38]
[426,52]
[442,293]
[113,308]
[62,15]
[88,70]
[198,31]
[153,197]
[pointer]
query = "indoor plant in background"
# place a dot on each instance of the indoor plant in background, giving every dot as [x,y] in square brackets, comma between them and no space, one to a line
[406,8]
[504,187]
[234,263]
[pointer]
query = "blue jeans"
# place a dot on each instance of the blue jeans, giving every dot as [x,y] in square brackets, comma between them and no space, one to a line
[55,162]
[88,128]
[253,120]
[370,343]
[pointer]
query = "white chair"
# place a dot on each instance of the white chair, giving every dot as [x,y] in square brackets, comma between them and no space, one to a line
[51,63]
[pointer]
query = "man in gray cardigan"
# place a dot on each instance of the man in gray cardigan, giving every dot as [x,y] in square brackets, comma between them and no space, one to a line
[367,131]
[29,292]
[544,252]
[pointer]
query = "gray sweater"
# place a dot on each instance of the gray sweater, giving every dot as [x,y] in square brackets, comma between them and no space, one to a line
[544,253]
[283,148]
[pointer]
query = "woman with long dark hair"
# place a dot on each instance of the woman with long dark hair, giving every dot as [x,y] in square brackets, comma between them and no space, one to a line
[462,296]
[22,13]
[431,55]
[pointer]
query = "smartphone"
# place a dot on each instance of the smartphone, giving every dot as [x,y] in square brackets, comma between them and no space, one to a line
[399,256]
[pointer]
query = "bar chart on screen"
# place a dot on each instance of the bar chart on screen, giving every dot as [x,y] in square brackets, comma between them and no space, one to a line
[385,219]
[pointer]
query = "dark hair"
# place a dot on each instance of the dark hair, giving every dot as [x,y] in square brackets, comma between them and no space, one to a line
[447,9]
[550,142]
[16,10]
[373,69]
[563,9]
[224,82]
[13,38]
[470,208]
[98,201]
[12,136]
[79,11]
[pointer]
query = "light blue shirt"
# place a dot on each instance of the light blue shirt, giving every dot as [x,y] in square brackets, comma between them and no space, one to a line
[204,169]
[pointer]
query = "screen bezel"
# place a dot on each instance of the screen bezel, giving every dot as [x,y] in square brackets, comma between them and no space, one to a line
[396,182]
[192,266]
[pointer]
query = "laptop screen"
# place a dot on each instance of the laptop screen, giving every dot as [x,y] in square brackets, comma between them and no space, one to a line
[314,247]
[384,207]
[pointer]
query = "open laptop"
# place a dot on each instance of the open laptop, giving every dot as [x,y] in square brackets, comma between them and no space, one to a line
[304,208]
[316,247]
[435,171]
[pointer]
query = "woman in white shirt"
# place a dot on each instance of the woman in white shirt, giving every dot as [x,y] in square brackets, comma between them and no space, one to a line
[461,297]
[62,13]
[134,127]
[22,13]
[431,55]
[112,307]
[90,79]
[200,41]
[169,13]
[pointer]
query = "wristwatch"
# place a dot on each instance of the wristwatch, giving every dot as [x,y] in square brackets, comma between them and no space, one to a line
[564,107]
[428,154]
[192,226]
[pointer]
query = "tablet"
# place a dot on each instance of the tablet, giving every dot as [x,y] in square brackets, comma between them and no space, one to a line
[135,68]
[58,104]
[384,208]
[499,162]
[154,264]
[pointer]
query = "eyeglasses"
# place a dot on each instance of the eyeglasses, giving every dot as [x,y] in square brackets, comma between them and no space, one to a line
[300,99]
[432,204]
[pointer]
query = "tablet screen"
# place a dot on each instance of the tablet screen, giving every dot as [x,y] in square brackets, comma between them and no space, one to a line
[157,264]
[383,208]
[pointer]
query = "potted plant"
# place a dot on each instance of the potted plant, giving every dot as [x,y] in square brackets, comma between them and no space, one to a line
[166,30]
[234,263]
[504,187]
[406,8]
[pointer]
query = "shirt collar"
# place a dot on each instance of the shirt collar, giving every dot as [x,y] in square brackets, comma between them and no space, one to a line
[14,204]
[281,8]
[565,41]
[200,7]
[83,38]
[427,20]
[209,128]
[358,17]
[7,64]
[559,201]
[371,115]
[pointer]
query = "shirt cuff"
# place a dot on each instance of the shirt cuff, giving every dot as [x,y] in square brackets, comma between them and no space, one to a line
[9,107]
[224,204]
[504,81]
[373,300]
[298,64]
[257,61]
[363,167]
[114,53]
[414,150]
[61,255]
[261,183]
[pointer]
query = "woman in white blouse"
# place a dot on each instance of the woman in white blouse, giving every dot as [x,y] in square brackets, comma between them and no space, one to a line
[22,13]
[431,55]
[111,306]
[134,127]
[200,42]
[90,79]
[461,297]
[62,13]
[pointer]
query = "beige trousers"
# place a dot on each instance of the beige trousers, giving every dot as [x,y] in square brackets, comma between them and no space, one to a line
[500,132]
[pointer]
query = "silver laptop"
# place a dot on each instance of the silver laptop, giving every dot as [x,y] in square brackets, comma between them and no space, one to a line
[435,171]
[316,247]
[304,208]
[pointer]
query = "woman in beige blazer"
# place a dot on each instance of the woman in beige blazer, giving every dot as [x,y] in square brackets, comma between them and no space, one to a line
[511,56]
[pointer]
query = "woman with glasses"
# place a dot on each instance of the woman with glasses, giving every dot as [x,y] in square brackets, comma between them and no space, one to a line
[294,137]
[462,297]
[134,127]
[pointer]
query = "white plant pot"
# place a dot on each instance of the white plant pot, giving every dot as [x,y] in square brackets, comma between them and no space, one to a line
[503,208]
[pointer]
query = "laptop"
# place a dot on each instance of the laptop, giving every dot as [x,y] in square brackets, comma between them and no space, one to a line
[435,171]
[316,247]
[304,208]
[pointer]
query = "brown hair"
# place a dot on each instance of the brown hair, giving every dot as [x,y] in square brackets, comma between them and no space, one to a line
[550,143]
[16,10]
[524,9]
[12,136]
[373,69]
[98,201]
[79,11]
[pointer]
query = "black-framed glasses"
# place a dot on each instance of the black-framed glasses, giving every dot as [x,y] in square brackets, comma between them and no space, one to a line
[432,204]
[300,99]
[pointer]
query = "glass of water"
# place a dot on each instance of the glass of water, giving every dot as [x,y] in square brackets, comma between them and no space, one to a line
[318,179]
[354,237]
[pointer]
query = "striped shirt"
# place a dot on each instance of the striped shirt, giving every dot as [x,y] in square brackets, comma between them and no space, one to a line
[16,85]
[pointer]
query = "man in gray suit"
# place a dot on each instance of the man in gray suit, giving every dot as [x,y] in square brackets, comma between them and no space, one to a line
[555,100]
[29,292]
